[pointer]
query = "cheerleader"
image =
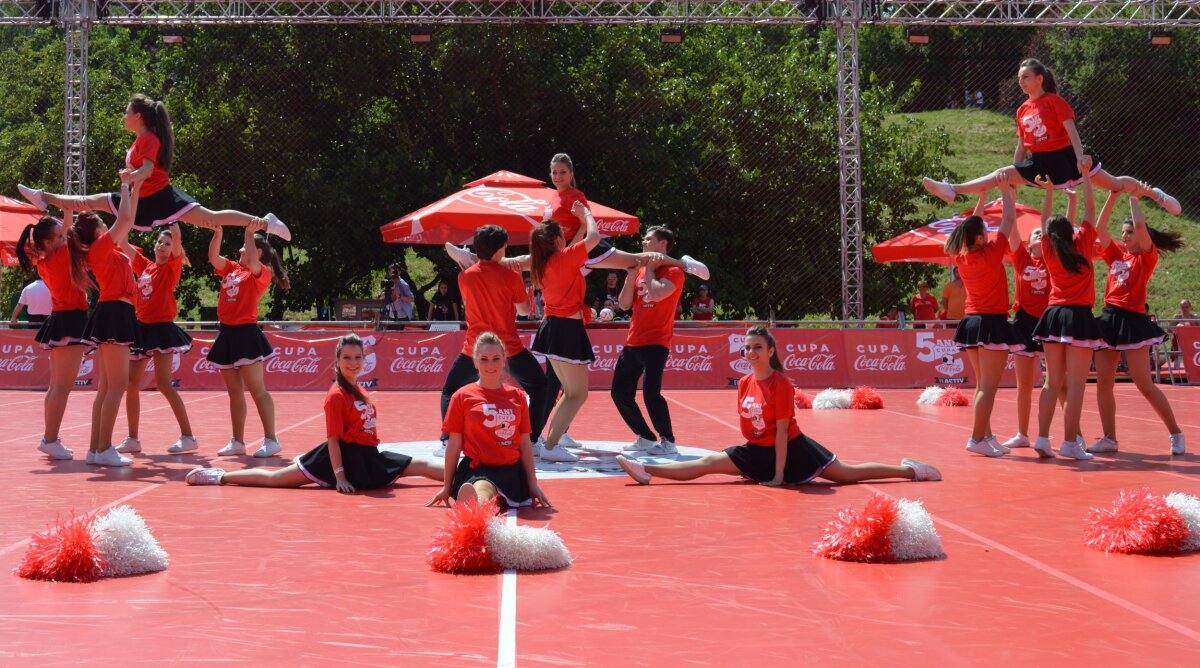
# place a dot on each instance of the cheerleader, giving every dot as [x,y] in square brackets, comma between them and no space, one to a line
[983,331]
[112,326]
[1125,326]
[240,347]
[161,338]
[149,159]
[44,244]
[1067,329]
[1048,145]
[488,422]
[350,459]
[775,452]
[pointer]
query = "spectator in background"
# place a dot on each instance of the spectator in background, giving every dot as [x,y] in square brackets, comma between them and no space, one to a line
[702,304]
[35,300]
[890,319]
[1185,317]
[954,297]
[923,305]
[398,296]
[979,99]
[531,299]
[442,305]
[966,98]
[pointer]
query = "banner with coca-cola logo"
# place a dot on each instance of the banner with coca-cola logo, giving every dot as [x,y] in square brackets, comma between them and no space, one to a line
[812,357]
[1189,348]
[880,357]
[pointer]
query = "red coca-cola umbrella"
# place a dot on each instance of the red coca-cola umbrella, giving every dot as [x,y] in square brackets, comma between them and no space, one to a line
[925,243]
[14,216]
[515,202]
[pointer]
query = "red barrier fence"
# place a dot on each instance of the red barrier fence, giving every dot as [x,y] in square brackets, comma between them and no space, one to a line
[708,358]
[1189,348]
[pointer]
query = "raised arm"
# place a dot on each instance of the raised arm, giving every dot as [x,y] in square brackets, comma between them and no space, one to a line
[980,205]
[593,231]
[1008,219]
[1084,161]
[1102,233]
[176,240]
[214,248]
[1089,198]
[625,299]
[1048,206]
[253,263]
[127,211]
[1140,231]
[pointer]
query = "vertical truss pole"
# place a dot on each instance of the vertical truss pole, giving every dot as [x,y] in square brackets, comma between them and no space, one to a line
[77,17]
[849,15]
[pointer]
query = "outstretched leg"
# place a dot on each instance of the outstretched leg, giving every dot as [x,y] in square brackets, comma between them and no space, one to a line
[841,472]
[715,463]
[288,476]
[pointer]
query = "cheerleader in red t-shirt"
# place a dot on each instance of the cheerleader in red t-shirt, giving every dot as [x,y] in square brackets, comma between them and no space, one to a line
[1067,329]
[112,326]
[350,458]
[149,160]
[240,347]
[1047,145]
[776,451]
[44,244]
[162,339]
[1125,326]
[984,331]
[488,422]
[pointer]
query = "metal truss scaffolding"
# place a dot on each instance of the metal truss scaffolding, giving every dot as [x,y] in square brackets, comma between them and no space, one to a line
[846,16]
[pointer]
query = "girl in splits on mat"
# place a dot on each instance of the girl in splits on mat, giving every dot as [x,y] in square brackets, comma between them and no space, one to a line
[775,452]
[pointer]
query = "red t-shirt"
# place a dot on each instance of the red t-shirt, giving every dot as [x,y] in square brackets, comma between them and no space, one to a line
[491,423]
[348,419]
[984,277]
[708,302]
[55,272]
[763,402]
[1128,276]
[491,293]
[1033,282]
[563,287]
[112,270]
[156,288]
[240,291]
[144,148]
[923,308]
[1040,123]
[560,211]
[653,323]
[1068,288]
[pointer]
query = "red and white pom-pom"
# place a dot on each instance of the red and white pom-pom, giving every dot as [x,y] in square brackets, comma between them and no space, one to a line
[85,549]
[930,395]
[865,398]
[1142,522]
[953,396]
[886,531]
[477,541]
[832,399]
[803,401]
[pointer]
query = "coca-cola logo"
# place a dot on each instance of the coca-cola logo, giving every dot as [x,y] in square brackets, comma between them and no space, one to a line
[951,366]
[881,363]
[614,227]
[815,362]
[603,364]
[740,366]
[202,365]
[693,363]
[17,364]
[505,200]
[308,364]
[426,364]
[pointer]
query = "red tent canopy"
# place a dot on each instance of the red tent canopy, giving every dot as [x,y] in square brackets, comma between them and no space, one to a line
[925,243]
[515,202]
[14,216]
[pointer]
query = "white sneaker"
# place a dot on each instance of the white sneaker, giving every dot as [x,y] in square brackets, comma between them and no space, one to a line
[940,189]
[277,227]
[461,256]
[184,444]
[1043,447]
[1018,441]
[995,443]
[111,457]
[640,445]
[91,458]
[539,446]
[233,447]
[569,442]
[270,448]
[204,476]
[440,450]
[55,449]
[921,471]
[1073,450]
[34,195]
[635,470]
[663,448]
[983,447]
[1164,200]
[130,444]
[1178,447]
[559,453]
[1105,444]
[695,267]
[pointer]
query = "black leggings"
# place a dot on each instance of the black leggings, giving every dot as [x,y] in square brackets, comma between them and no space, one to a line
[523,367]
[631,365]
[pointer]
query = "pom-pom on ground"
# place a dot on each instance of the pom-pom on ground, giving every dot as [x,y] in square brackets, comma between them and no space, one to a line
[930,395]
[952,396]
[65,553]
[127,544]
[803,401]
[1189,509]
[886,531]
[865,398]
[832,399]
[1138,522]
[526,548]
[461,546]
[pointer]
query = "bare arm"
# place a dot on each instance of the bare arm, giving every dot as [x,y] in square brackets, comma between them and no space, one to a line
[781,452]
[593,231]
[176,240]
[1072,204]
[1089,201]
[625,299]
[16,312]
[253,262]
[1102,232]
[214,249]
[335,460]
[1048,208]
[658,288]
[1008,219]
[980,205]
[453,448]
[1021,152]
[1139,223]
[527,463]
[126,212]
[141,173]
[1076,144]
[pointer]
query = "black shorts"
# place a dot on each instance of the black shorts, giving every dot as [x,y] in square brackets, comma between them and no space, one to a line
[161,337]
[1023,324]
[162,208]
[510,480]
[1127,330]
[62,328]
[990,331]
[597,254]
[806,459]
[366,466]
[1073,325]
[238,346]
[113,322]
[563,339]
[1059,166]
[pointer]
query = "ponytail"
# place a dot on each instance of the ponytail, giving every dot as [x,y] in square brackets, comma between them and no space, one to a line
[1164,240]
[542,247]
[1062,240]
[353,388]
[565,159]
[1049,83]
[759,330]
[963,234]
[80,237]
[279,276]
[33,238]
[158,121]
